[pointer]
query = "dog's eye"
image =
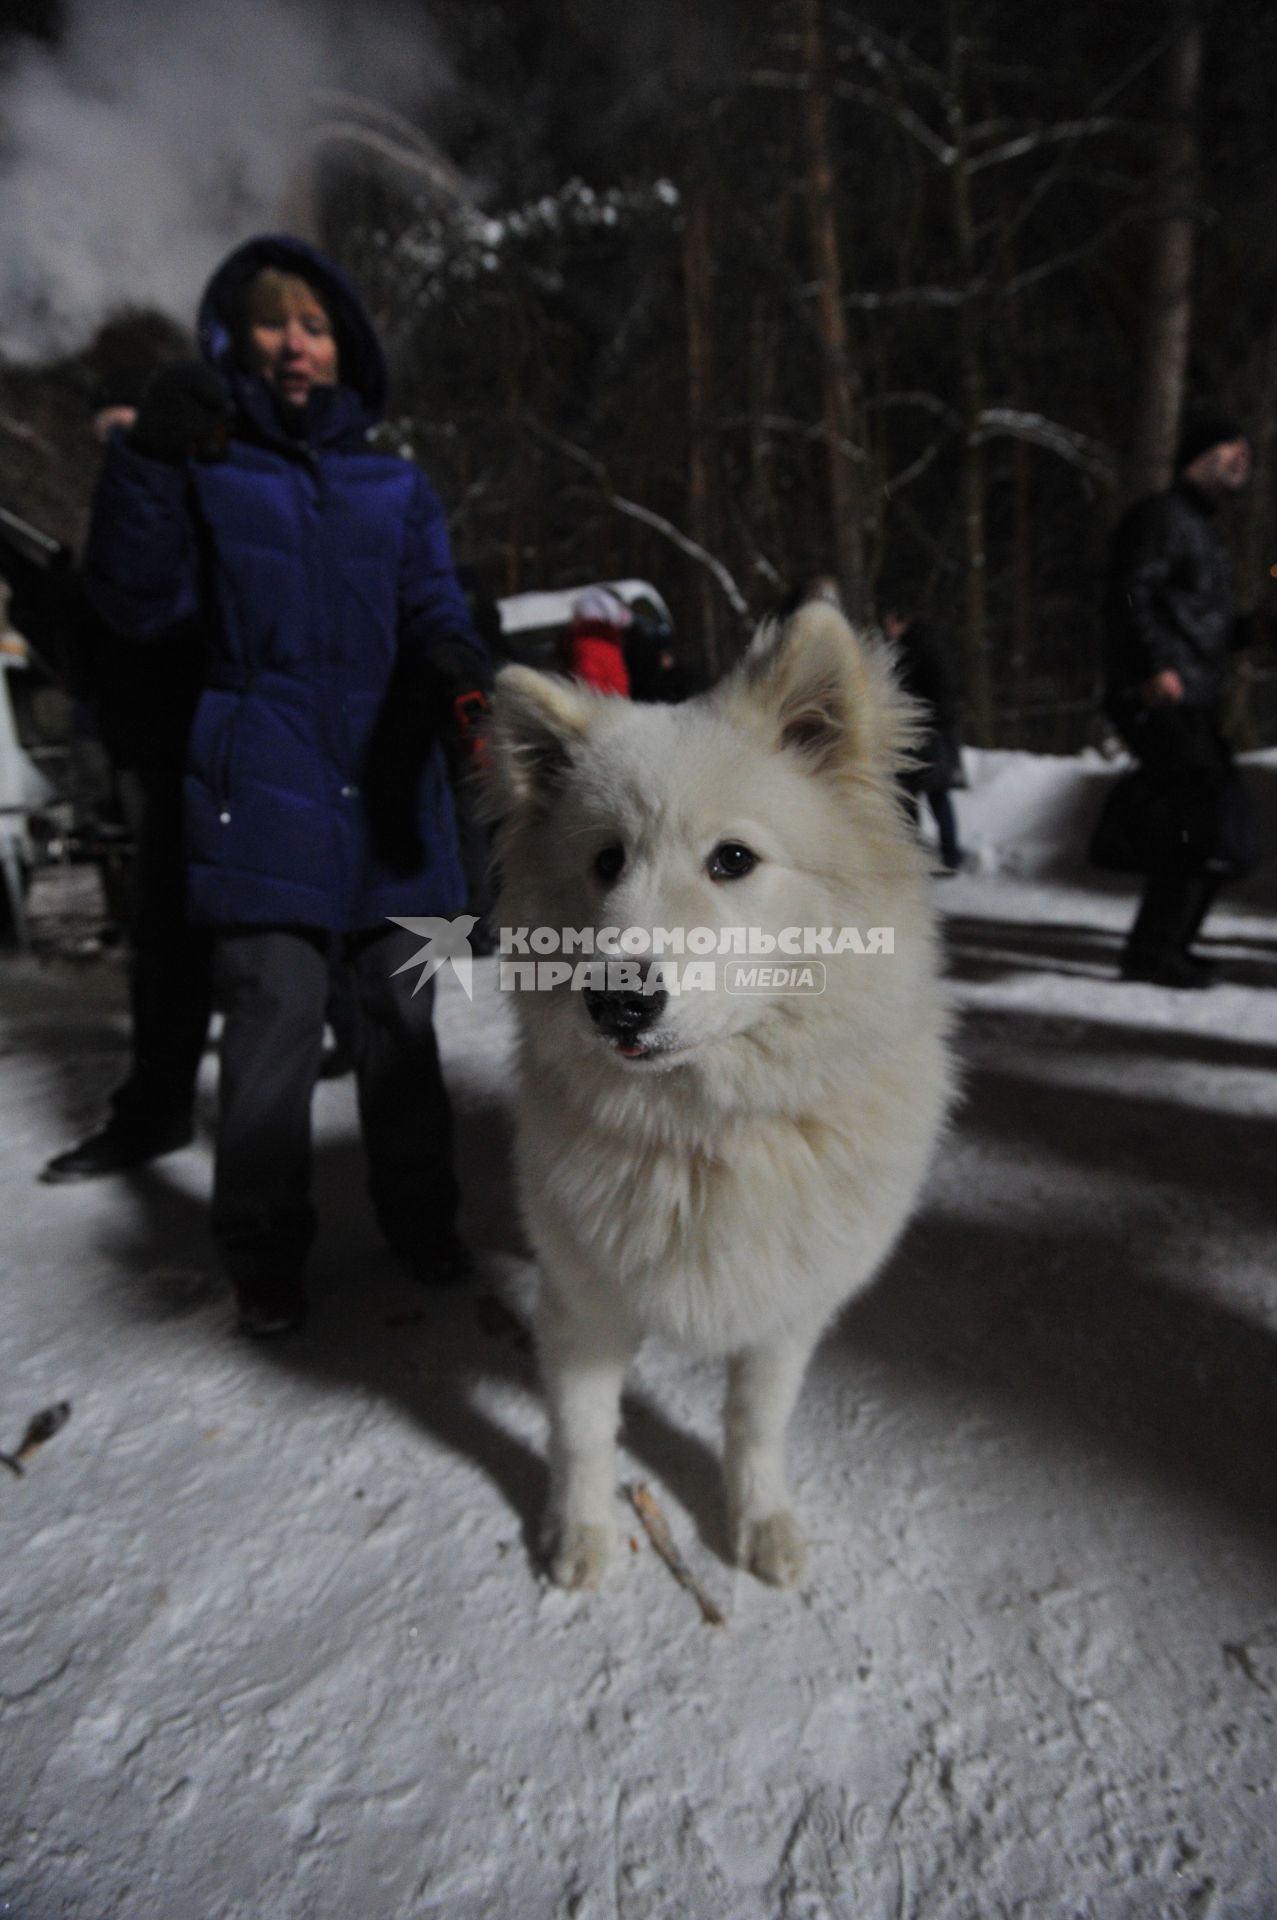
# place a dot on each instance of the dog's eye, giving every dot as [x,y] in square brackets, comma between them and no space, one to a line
[609,863]
[730,861]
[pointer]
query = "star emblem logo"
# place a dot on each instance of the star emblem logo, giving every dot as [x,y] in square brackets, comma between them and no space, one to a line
[447,944]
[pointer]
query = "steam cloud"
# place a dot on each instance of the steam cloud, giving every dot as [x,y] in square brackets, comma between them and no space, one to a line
[162,132]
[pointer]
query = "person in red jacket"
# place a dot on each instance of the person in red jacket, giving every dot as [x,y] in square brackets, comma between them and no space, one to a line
[596,641]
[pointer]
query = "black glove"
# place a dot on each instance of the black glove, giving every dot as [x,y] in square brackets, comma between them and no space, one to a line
[457,666]
[455,700]
[185,414]
[466,741]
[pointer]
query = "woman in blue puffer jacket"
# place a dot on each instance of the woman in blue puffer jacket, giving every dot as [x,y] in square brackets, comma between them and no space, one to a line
[342,662]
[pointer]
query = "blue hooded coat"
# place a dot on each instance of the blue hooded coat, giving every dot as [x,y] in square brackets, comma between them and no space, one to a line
[316,789]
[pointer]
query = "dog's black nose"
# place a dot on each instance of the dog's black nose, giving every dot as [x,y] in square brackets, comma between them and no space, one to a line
[623,1016]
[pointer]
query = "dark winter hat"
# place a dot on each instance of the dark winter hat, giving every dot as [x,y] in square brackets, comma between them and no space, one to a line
[1202,431]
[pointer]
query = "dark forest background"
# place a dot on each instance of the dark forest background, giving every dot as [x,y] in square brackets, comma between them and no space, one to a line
[732,295]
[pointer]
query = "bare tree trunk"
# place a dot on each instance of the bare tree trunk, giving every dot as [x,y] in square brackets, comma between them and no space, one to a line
[702,475]
[978,677]
[702,512]
[842,409]
[1021,510]
[534,545]
[1163,361]
[766,520]
[1021,582]
[516,535]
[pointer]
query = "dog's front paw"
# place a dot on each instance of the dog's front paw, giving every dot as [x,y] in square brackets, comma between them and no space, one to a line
[577,1553]
[772,1548]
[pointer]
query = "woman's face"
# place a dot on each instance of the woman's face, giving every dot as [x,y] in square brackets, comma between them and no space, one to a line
[291,341]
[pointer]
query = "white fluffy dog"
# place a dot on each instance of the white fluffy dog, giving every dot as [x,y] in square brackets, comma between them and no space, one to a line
[724,1168]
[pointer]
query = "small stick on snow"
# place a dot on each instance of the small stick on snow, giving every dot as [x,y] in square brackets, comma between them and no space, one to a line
[657,1529]
[40,1428]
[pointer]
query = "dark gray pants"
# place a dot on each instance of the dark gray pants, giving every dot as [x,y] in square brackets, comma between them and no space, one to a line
[272,983]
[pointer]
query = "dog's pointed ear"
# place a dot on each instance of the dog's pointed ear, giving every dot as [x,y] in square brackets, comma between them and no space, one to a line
[537,719]
[809,671]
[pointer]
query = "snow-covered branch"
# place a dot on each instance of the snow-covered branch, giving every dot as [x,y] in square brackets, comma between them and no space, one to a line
[1033,276]
[905,118]
[635,510]
[906,297]
[1078,449]
[1064,131]
[914,397]
[914,471]
[659,524]
[800,430]
[470,245]
[943,152]
[1102,101]
[877,49]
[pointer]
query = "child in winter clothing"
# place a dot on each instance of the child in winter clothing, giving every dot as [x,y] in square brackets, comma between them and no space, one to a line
[341,656]
[596,641]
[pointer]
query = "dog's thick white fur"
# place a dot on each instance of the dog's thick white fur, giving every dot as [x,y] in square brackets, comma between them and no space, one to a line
[733,1174]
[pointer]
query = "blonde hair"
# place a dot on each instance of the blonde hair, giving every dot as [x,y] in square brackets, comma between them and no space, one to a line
[270,292]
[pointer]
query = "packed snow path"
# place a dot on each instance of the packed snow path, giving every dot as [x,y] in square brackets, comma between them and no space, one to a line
[272,1641]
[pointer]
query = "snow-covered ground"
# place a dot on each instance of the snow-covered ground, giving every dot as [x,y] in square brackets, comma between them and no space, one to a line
[272,1642]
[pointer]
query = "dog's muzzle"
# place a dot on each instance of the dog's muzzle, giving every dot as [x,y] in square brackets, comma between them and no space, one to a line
[623,1016]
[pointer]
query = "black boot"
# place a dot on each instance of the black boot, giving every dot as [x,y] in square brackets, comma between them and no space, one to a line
[444,1263]
[266,1306]
[120,1146]
[1167,970]
[1207,889]
[1170,913]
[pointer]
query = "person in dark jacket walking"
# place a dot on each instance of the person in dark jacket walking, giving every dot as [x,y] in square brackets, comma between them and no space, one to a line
[143,701]
[341,657]
[1170,627]
[937,757]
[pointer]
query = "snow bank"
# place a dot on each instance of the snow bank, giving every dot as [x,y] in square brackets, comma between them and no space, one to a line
[1031,814]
